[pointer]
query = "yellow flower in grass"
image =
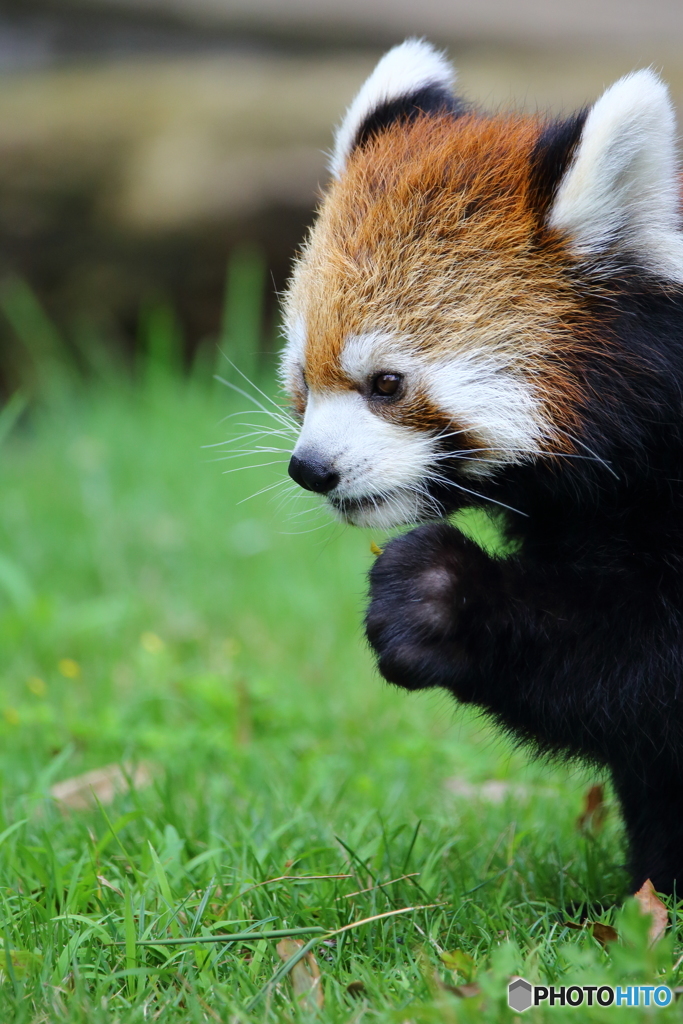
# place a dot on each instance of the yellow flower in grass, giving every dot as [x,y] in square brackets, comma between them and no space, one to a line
[151,643]
[69,668]
[37,686]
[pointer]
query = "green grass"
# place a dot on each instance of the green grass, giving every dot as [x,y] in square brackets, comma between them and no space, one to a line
[147,615]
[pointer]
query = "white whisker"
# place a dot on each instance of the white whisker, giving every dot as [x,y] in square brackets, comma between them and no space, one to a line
[302,533]
[485,498]
[590,451]
[244,455]
[281,414]
[257,465]
[278,417]
[257,450]
[278,483]
[291,428]
[245,437]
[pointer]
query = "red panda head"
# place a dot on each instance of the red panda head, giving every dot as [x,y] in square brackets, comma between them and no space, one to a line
[439,311]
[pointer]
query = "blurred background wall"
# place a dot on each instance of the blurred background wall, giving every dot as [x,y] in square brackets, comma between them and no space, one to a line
[144,141]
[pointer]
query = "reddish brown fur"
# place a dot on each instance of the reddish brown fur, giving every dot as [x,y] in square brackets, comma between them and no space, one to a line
[432,235]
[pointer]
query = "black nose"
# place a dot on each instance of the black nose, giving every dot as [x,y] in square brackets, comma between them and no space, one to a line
[312,473]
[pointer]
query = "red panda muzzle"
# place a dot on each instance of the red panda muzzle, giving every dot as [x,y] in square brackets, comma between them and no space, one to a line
[313,474]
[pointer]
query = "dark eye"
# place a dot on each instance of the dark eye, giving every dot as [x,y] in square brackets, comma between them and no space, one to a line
[386,384]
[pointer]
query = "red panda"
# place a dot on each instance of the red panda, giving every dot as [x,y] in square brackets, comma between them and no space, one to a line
[488,311]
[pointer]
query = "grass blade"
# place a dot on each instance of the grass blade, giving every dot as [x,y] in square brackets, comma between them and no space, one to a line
[187,940]
[129,929]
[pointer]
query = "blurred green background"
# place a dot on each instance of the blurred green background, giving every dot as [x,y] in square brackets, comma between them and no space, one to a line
[141,141]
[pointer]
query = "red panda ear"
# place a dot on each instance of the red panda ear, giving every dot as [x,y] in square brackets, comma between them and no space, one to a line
[550,158]
[410,79]
[619,199]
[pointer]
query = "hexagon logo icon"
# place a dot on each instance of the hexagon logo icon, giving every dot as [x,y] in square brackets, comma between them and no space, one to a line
[519,995]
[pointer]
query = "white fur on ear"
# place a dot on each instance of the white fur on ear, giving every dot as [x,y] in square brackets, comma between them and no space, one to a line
[403,70]
[621,191]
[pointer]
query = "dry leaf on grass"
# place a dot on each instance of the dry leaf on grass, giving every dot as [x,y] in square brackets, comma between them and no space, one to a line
[109,885]
[604,933]
[492,791]
[306,980]
[651,904]
[592,818]
[84,791]
[467,991]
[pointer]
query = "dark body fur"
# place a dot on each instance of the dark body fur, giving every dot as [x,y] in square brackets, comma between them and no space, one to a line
[575,643]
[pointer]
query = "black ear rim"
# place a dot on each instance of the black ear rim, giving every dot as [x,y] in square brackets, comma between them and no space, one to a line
[431,99]
[551,157]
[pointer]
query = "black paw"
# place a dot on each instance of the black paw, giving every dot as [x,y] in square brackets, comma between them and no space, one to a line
[421,591]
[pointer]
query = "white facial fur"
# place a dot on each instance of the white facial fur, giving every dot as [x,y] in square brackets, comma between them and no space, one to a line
[621,191]
[292,355]
[477,391]
[389,465]
[375,459]
[403,70]
[472,388]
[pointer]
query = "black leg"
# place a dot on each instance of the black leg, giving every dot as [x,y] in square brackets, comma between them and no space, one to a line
[652,807]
